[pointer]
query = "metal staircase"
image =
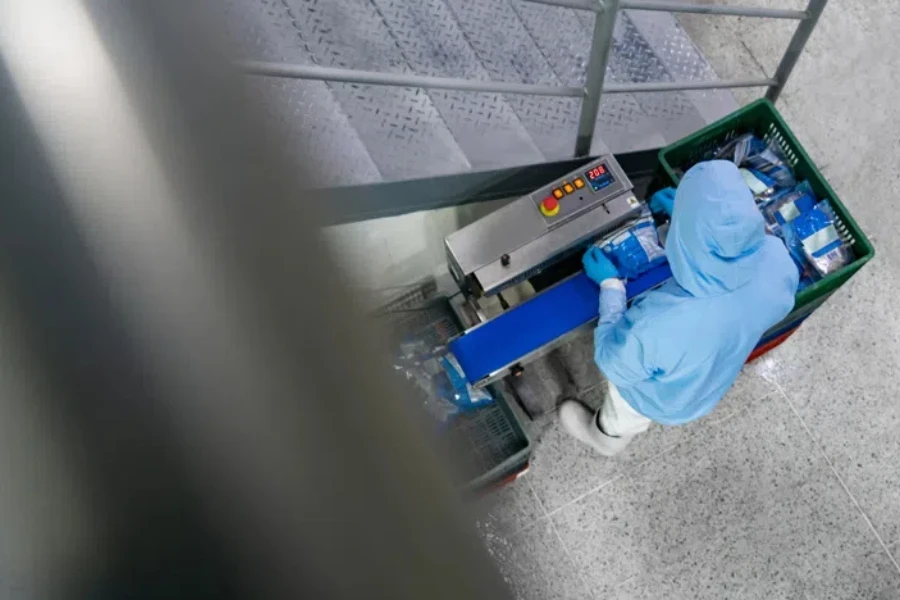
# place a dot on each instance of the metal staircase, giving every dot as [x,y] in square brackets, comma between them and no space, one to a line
[386,90]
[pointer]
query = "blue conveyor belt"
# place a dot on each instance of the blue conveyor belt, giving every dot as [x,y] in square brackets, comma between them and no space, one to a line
[553,313]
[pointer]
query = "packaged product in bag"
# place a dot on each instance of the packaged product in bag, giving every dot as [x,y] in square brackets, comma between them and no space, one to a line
[637,249]
[753,153]
[788,204]
[821,243]
[443,390]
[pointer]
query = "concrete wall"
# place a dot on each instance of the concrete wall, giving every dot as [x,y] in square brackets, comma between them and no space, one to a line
[382,258]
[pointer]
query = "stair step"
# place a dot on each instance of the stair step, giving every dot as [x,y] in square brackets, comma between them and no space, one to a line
[433,43]
[401,127]
[317,129]
[508,52]
[683,61]
[633,60]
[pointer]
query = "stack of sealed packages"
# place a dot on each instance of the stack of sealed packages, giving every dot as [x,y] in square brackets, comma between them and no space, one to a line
[791,209]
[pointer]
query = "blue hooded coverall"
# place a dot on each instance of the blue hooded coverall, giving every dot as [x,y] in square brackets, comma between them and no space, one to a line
[675,352]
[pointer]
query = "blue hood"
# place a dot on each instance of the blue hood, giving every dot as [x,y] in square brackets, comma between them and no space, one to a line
[716,230]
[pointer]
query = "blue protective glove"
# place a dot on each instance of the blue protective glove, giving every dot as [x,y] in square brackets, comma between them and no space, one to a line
[663,201]
[597,266]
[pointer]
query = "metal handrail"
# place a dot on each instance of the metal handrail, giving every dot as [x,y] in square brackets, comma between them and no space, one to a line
[601,45]
[601,41]
[677,86]
[714,9]
[681,7]
[317,72]
[795,47]
[589,5]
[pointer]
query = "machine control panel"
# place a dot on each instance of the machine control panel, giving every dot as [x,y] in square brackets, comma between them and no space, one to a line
[594,184]
[540,228]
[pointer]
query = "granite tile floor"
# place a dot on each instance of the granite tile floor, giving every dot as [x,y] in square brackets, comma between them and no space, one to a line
[791,487]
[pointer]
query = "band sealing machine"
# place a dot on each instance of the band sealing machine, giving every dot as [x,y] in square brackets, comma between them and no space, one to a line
[537,240]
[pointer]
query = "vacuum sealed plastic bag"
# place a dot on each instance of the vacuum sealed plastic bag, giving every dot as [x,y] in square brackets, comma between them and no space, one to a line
[442,386]
[636,250]
[794,245]
[788,204]
[753,153]
[768,159]
[459,392]
[761,185]
[821,243]
[736,150]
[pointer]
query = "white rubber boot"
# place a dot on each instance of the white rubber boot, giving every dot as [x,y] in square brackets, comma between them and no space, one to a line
[581,422]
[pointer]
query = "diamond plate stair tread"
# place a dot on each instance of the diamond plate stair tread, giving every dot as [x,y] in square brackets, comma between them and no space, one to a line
[563,36]
[634,60]
[316,129]
[331,151]
[511,54]
[683,60]
[432,42]
[402,128]
[508,53]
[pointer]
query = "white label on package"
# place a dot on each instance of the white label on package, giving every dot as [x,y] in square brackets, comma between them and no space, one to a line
[820,239]
[789,211]
[621,238]
[756,186]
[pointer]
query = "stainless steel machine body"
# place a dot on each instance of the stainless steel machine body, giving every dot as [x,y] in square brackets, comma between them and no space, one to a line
[537,230]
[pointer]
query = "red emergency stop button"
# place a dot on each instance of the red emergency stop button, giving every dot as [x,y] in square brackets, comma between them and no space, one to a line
[549,206]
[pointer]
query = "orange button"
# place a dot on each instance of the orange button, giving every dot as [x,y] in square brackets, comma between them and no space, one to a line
[558,193]
[567,187]
[549,206]
[579,183]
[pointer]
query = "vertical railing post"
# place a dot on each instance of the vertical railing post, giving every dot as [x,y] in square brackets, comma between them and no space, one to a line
[795,47]
[601,42]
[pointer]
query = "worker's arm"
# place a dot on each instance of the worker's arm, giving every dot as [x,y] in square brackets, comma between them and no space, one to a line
[663,201]
[612,302]
[617,350]
[612,290]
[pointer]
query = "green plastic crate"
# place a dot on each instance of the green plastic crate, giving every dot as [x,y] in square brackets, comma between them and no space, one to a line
[761,118]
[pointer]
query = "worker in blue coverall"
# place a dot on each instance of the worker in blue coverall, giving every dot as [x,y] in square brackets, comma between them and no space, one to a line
[673,354]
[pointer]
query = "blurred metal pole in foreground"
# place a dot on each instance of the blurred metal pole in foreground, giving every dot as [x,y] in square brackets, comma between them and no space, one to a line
[190,404]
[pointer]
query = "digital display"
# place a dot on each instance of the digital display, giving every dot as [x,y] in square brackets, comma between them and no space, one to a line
[599,177]
[596,172]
